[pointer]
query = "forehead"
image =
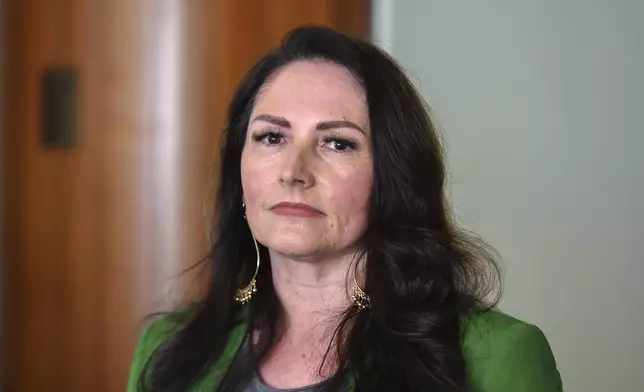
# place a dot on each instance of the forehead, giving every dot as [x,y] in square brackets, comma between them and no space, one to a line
[315,88]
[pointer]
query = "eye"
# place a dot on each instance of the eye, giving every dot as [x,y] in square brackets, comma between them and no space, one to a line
[340,144]
[269,137]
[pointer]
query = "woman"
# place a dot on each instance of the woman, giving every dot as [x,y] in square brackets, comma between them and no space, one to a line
[331,205]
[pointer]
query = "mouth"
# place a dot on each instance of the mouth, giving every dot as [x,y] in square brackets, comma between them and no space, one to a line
[296,209]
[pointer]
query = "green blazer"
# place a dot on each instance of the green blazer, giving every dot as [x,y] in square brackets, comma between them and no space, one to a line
[503,355]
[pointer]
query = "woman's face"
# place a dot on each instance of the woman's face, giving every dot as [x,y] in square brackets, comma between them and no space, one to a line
[307,167]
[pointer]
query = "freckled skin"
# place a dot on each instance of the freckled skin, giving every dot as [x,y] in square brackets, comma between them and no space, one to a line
[305,167]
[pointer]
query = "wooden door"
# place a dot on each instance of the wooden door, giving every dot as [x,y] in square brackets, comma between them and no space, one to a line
[97,226]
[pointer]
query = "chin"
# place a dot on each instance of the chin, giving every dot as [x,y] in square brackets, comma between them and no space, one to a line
[292,245]
[293,249]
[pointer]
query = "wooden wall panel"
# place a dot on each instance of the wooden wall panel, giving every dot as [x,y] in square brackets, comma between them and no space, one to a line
[53,320]
[95,234]
[2,197]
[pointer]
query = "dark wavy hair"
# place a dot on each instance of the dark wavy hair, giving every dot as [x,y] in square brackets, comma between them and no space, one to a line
[424,275]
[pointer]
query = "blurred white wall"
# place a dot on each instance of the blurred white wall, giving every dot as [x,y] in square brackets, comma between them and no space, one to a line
[542,104]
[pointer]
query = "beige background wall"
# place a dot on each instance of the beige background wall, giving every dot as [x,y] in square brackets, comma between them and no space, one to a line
[543,106]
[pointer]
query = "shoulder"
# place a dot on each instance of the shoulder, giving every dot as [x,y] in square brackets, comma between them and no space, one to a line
[506,354]
[153,336]
[156,333]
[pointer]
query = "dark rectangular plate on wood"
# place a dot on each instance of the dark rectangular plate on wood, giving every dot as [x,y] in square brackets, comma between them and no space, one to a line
[59,108]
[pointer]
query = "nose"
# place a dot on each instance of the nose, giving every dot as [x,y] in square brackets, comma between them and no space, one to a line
[296,170]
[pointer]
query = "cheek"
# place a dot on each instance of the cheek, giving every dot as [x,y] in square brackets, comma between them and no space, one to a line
[351,197]
[253,177]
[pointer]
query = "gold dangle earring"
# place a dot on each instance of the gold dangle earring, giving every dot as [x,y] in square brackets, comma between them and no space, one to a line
[245,294]
[359,297]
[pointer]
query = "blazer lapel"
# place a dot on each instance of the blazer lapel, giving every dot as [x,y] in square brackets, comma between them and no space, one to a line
[213,378]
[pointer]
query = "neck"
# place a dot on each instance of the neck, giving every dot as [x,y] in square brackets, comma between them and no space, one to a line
[313,293]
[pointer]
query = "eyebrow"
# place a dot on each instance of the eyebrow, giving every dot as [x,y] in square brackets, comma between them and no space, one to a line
[321,126]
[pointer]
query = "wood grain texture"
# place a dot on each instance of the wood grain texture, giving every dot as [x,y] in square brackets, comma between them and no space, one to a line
[3,276]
